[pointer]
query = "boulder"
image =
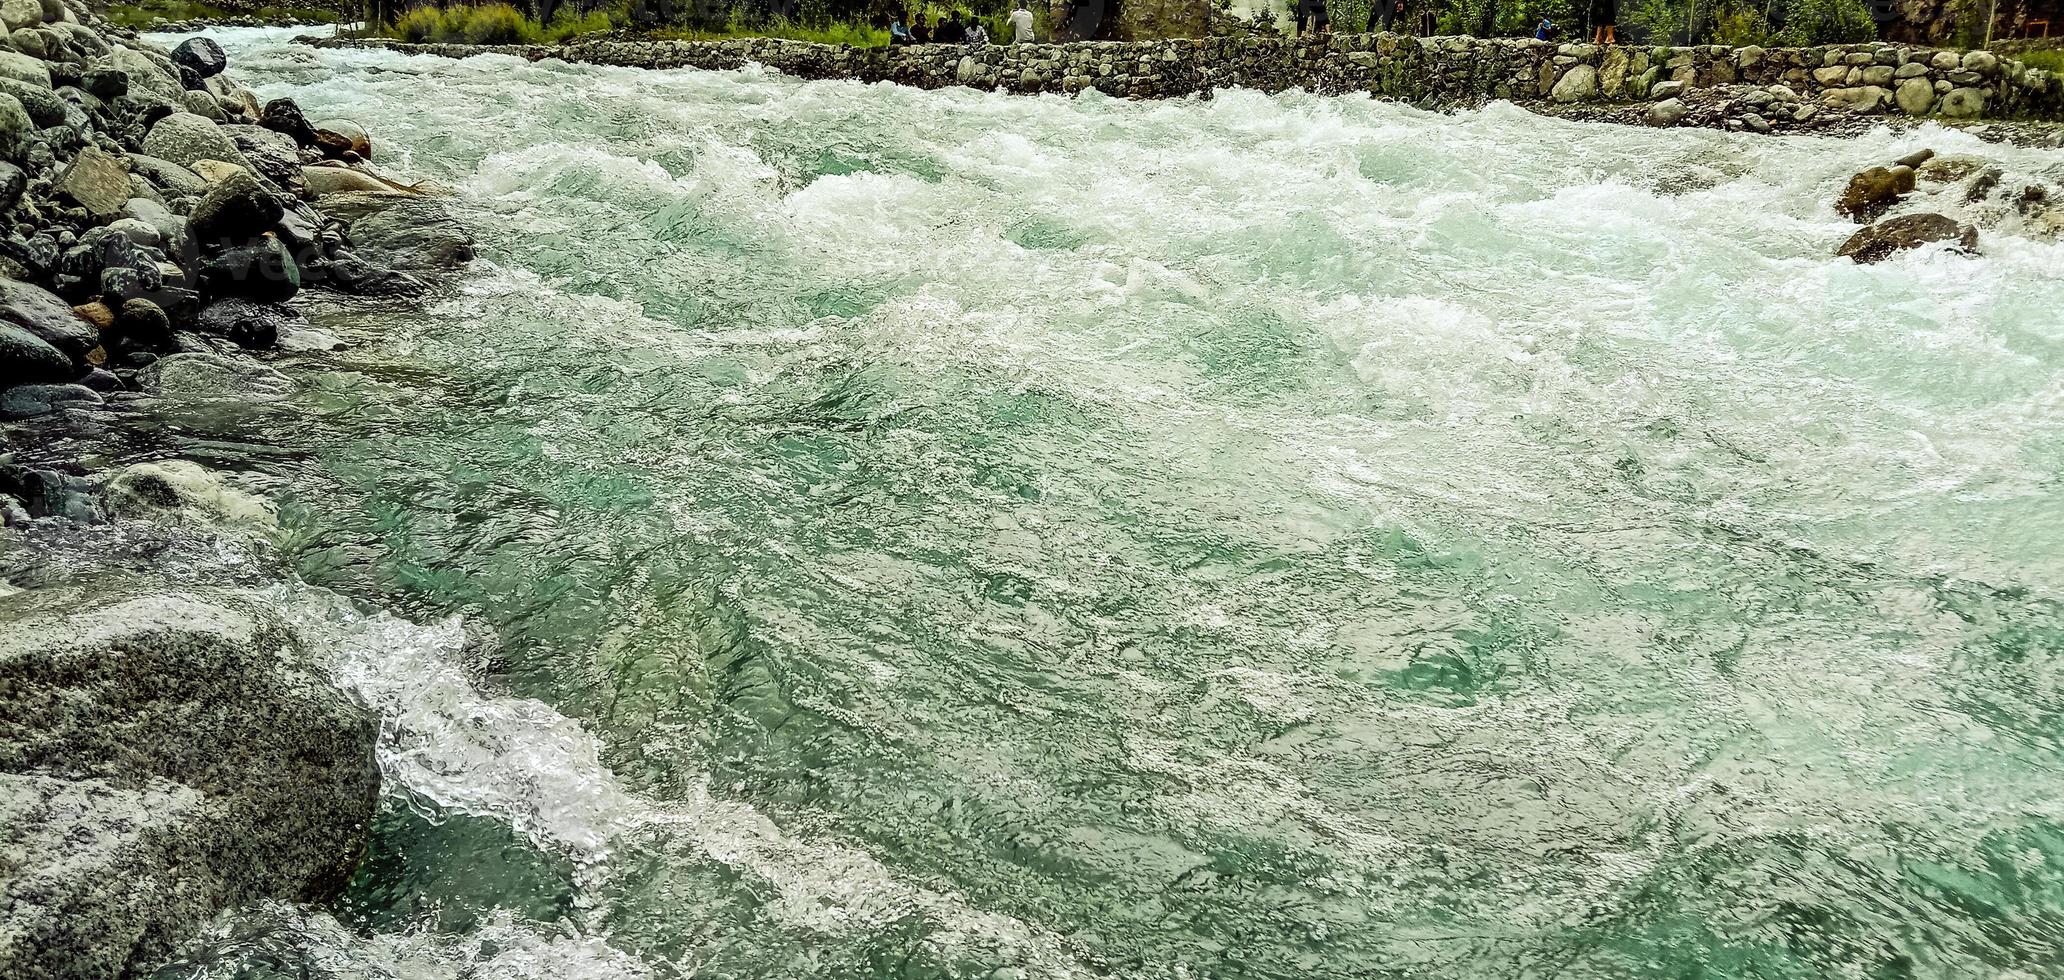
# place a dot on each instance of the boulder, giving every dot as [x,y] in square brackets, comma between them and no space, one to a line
[143,75]
[340,180]
[1861,98]
[336,136]
[212,377]
[262,271]
[177,491]
[201,54]
[248,323]
[16,128]
[29,401]
[1963,103]
[284,116]
[165,754]
[1869,194]
[1668,112]
[51,320]
[272,154]
[97,181]
[204,105]
[406,232]
[1893,235]
[27,359]
[15,65]
[235,210]
[172,178]
[186,139]
[1578,84]
[1915,96]
[19,14]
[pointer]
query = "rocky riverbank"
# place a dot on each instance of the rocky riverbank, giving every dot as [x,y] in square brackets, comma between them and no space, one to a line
[1802,88]
[168,747]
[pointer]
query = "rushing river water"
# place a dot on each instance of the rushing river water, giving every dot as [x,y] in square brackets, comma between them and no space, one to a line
[847,531]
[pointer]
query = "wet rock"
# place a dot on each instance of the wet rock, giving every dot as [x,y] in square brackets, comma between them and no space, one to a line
[186,139]
[212,377]
[147,79]
[1893,235]
[142,323]
[97,181]
[409,233]
[1916,158]
[1869,194]
[249,323]
[167,754]
[51,320]
[262,271]
[1668,112]
[337,136]
[235,210]
[339,180]
[29,401]
[308,340]
[178,491]
[27,359]
[201,54]
[284,116]
[43,493]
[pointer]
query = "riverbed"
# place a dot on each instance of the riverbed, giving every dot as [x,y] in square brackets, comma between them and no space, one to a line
[844,530]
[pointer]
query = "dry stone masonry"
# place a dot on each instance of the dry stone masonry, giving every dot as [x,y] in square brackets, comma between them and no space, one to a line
[1858,78]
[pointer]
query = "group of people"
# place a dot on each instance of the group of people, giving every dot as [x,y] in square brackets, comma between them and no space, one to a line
[957,28]
[1398,16]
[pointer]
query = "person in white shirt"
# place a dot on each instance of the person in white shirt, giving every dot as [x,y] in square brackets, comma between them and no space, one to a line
[1021,24]
[977,34]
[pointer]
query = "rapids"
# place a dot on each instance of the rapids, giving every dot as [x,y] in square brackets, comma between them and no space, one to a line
[849,531]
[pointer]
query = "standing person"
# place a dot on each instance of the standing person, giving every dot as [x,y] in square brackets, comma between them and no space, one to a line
[1384,15]
[1312,14]
[1021,24]
[1605,14]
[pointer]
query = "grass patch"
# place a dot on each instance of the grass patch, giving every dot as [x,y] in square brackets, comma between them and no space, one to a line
[145,14]
[835,32]
[494,23]
[2047,59]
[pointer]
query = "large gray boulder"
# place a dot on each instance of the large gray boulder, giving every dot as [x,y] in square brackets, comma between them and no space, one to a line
[412,233]
[162,758]
[185,139]
[26,358]
[40,312]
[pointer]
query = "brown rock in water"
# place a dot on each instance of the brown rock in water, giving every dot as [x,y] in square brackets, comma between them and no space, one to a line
[1871,193]
[1916,158]
[1886,238]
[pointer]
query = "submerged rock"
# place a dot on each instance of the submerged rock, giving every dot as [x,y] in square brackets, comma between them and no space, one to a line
[407,232]
[162,759]
[178,490]
[1893,235]
[1871,193]
[201,54]
[26,358]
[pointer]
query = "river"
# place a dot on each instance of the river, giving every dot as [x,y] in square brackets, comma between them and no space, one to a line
[850,531]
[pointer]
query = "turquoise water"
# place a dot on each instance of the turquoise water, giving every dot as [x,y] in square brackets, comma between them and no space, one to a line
[847,531]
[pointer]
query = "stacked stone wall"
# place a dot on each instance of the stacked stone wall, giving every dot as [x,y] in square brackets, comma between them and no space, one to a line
[1873,77]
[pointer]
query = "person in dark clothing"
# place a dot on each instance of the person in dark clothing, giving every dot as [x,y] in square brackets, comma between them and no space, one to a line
[950,31]
[1311,16]
[1545,30]
[1606,15]
[920,31]
[1384,15]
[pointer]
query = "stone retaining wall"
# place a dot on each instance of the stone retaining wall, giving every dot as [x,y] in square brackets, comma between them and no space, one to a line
[1875,77]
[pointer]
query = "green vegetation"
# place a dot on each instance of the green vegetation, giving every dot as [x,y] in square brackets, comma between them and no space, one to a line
[2047,59]
[141,16]
[494,23]
[827,32]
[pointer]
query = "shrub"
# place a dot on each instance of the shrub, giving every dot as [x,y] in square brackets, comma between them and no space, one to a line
[495,23]
[1809,22]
